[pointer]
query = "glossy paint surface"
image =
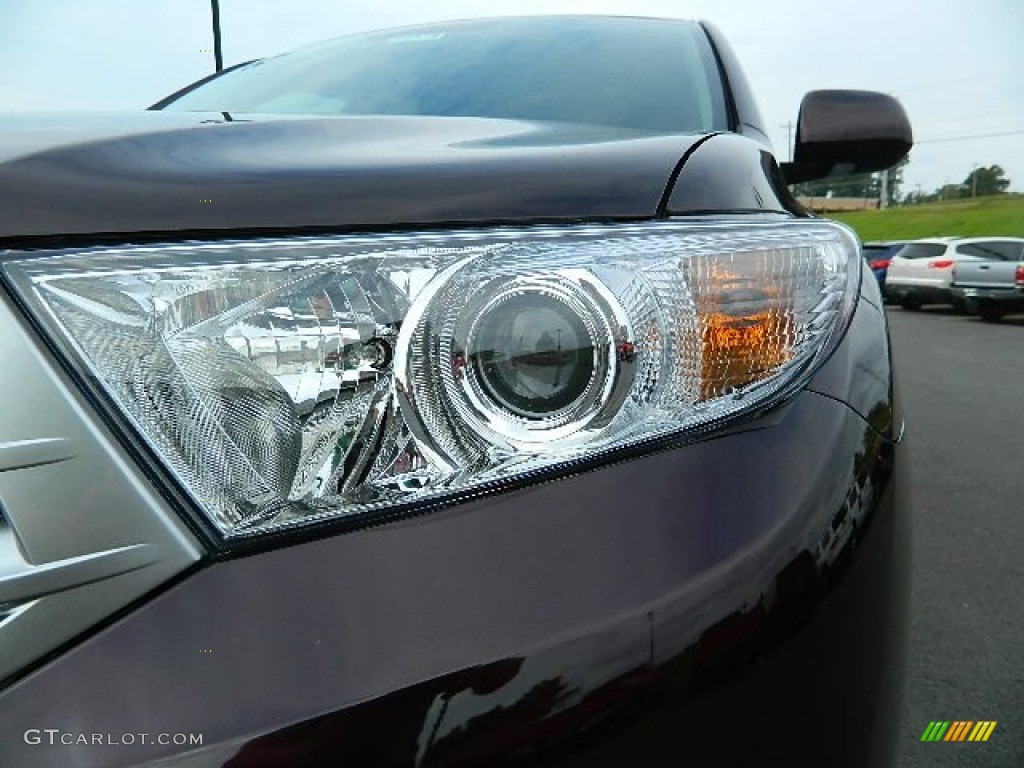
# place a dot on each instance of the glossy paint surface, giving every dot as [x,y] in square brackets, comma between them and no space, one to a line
[731,173]
[171,172]
[860,371]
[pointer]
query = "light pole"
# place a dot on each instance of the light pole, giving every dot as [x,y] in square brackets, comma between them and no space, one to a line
[218,60]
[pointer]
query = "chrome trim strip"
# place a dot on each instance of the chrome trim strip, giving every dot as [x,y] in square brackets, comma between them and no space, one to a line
[34,582]
[21,454]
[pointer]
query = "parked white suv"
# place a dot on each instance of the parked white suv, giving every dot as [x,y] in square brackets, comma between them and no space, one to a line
[922,271]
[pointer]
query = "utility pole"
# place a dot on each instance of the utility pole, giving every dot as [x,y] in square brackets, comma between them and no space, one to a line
[789,139]
[218,59]
[974,181]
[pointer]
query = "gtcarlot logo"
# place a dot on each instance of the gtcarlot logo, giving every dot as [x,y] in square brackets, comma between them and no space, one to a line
[958,730]
[55,736]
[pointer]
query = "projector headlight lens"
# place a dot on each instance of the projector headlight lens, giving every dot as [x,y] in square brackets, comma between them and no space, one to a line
[532,354]
[284,382]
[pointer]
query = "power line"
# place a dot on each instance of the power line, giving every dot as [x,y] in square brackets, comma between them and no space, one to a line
[960,118]
[944,82]
[968,138]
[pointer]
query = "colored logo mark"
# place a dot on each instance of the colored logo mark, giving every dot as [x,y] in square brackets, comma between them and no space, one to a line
[958,730]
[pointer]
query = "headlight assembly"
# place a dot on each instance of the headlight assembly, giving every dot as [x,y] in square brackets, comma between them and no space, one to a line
[288,381]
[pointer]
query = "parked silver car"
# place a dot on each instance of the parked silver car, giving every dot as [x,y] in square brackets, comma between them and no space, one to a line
[922,272]
[990,289]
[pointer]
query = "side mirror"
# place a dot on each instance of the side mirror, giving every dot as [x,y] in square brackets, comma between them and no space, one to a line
[843,132]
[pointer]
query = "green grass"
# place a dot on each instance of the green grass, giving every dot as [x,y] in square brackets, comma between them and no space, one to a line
[1001,215]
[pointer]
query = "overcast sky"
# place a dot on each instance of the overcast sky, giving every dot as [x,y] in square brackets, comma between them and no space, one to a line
[957,65]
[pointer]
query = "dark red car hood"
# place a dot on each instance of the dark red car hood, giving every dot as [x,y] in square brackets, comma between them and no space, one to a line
[158,172]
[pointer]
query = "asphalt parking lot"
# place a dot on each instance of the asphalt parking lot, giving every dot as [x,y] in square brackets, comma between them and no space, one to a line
[963,390]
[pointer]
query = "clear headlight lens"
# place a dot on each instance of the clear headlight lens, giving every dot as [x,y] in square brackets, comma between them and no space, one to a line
[287,381]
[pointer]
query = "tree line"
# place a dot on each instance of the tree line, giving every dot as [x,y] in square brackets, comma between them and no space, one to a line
[887,186]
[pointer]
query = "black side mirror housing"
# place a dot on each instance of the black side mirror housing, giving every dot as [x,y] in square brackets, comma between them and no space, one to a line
[844,132]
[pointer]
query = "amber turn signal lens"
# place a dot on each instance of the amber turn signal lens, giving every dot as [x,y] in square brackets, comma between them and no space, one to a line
[737,351]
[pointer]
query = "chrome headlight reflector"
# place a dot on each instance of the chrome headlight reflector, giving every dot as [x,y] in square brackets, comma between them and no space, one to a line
[288,381]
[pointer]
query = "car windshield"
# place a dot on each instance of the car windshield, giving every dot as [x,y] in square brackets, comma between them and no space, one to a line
[650,75]
[880,251]
[922,250]
[997,250]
